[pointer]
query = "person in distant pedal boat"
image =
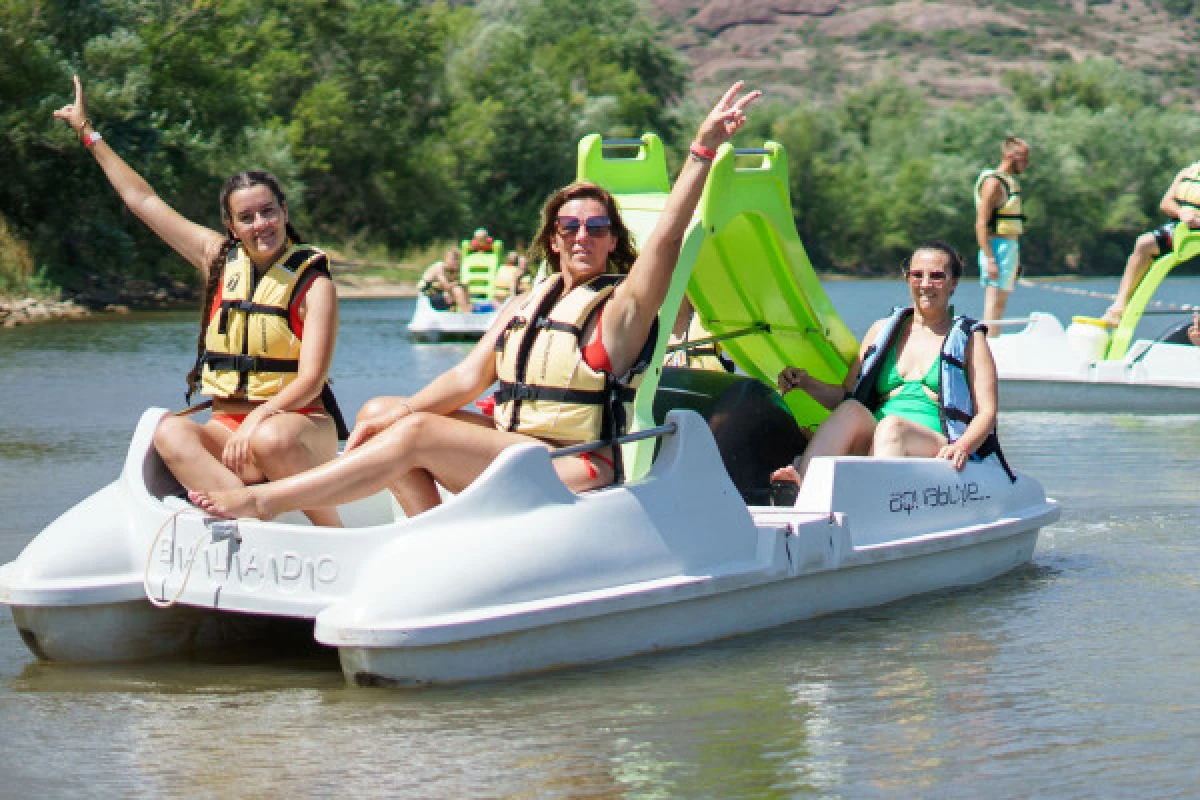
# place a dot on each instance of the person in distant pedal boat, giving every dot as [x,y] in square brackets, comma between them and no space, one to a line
[998,224]
[481,242]
[442,283]
[268,325]
[525,275]
[923,385]
[1194,329]
[687,330]
[508,276]
[568,357]
[1182,204]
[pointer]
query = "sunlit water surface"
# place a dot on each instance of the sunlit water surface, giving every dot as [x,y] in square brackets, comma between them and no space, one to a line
[1073,677]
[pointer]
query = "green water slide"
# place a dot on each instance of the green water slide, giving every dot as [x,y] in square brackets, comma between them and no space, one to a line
[742,265]
[1186,247]
[479,269]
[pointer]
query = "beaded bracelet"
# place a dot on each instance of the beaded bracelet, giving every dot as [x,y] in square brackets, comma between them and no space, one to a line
[89,141]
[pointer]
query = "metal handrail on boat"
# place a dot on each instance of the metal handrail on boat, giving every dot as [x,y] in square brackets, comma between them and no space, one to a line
[649,433]
[758,327]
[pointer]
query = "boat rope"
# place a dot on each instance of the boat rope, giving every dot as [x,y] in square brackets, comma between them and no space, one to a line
[1050,287]
[171,520]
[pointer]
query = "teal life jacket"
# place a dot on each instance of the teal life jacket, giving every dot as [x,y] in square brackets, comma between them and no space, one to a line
[955,407]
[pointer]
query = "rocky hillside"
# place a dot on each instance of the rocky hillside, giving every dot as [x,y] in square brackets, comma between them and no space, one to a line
[953,50]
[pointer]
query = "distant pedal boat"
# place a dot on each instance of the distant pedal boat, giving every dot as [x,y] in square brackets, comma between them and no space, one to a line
[1084,367]
[429,324]
[516,574]
[1045,367]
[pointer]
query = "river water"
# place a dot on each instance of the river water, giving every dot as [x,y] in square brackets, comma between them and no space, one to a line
[1072,677]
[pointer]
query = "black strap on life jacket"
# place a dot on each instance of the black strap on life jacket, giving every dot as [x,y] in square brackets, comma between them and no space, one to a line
[335,412]
[1008,193]
[293,263]
[522,366]
[247,364]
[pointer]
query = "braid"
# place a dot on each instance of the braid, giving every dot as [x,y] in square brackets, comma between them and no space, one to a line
[212,280]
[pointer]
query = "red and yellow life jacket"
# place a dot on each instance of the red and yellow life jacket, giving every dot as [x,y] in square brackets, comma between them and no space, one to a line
[251,348]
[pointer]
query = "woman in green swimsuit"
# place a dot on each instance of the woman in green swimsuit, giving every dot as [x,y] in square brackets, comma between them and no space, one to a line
[907,421]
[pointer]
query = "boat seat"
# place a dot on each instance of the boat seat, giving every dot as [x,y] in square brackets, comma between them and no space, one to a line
[754,430]
[1176,334]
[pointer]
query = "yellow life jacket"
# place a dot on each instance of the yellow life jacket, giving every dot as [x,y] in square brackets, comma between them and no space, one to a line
[1187,193]
[1007,219]
[546,389]
[708,356]
[249,345]
[502,283]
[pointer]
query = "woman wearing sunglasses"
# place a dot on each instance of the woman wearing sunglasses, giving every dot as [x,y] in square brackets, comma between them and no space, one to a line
[268,323]
[566,356]
[924,383]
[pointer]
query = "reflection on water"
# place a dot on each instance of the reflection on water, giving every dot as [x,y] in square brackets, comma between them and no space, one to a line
[1073,677]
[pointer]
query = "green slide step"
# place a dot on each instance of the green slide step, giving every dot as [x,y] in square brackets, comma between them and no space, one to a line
[479,270]
[742,265]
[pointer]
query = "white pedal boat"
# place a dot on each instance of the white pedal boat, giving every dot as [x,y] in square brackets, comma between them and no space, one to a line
[516,574]
[429,324]
[1042,367]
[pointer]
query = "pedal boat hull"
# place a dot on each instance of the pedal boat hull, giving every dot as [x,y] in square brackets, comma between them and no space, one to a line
[516,574]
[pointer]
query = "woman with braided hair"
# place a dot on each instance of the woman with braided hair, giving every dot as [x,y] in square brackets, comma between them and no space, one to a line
[268,326]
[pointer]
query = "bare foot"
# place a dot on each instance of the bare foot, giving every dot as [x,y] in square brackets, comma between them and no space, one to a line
[1113,316]
[787,473]
[231,503]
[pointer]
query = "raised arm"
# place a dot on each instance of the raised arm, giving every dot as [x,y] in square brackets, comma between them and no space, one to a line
[635,303]
[195,243]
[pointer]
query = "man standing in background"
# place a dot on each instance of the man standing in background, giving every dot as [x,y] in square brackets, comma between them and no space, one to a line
[998,224]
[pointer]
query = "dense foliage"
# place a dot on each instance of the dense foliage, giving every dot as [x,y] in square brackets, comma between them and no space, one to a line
[387,122]
[400,123]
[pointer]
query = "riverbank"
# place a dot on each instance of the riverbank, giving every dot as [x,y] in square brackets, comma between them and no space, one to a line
[371,287]
[16,311]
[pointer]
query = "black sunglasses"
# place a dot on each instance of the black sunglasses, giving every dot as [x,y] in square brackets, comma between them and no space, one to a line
[596,226]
